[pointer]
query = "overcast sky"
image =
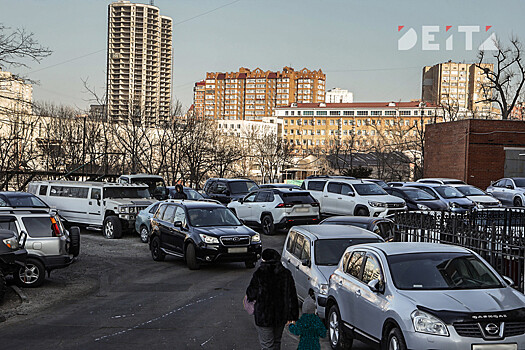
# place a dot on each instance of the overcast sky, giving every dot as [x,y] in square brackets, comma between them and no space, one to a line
[353,42]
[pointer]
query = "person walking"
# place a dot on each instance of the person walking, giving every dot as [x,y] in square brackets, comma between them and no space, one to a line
[309,327]
[179,192]
[273,289]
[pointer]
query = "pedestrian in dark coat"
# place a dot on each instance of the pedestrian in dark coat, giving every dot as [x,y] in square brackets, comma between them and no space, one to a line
[309,327]
[273,289]
[179,192]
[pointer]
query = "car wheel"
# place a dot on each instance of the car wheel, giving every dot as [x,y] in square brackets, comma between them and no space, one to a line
[74,240]
[396,340]
[267,225]
[156,253]
[112,227]
[191,257]
[249,264]
[31,275]
[337,338]
[362,212]
[3,286]
[144,233]
[518,202]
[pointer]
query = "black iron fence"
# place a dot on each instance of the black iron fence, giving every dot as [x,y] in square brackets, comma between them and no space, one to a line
[498,235]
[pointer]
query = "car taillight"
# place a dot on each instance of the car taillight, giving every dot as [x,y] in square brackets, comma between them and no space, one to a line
[55,228]
[315,204]
[282,205]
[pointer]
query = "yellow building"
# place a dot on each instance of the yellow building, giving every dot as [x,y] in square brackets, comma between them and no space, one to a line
[15,95]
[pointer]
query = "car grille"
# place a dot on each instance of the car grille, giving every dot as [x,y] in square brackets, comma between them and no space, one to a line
[470,330]
[395,205]
[235,240]
[514,328]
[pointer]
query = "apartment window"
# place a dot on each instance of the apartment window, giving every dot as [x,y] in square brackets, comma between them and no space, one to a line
[359,123]
[323,132]
[318,121]
[404,113]
[324,122]
[285,112]
[362,112]
[291,122]
[321,113]
[335,113]
[345,122]
[309,113]
[331,122]
[348,112]
[390,112]
[376,113]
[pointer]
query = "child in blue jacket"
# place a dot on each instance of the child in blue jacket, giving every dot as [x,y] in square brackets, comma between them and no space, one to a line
[309,327]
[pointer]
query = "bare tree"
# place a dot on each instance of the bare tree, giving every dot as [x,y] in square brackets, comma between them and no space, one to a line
[272,155]
[19,45]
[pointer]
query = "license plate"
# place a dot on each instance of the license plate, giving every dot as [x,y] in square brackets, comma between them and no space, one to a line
[495,347]
[238,250]
[301,210]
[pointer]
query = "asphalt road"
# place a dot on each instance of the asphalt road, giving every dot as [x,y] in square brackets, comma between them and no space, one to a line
[143,304]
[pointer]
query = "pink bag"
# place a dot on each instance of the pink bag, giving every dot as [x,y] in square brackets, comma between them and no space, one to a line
[249,306]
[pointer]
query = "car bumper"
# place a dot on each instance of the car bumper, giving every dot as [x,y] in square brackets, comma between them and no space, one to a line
[57,261]
[321,305]
[416,340]
[290,221]
[220,253]
[383,212]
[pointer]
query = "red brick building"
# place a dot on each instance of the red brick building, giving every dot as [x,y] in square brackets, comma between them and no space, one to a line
[475,151]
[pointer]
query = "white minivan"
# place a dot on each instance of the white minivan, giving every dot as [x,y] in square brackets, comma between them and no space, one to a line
[111,207]
[339,195]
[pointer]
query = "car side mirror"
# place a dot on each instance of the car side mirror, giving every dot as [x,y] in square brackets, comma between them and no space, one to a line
[510,187]
[177,224]
[241,200]
[305,262]
[509,281]
[375,286]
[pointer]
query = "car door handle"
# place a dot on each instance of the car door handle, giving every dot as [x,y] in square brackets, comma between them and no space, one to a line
[339,197]
[340,282]
[297,267]
[358,292]
[263,206]
[289,261]
[90,203]
[326,196]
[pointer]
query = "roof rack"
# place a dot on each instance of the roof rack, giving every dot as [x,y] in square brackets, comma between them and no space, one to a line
[331,177]
[12,210]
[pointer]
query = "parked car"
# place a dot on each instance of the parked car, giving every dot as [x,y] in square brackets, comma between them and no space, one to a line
[482,199]
[21,200]
[378,182]
[226,190]
[143,221]
[456,201]
[190,193]
[276,185]
[312,253]
[395,183]
[417,199]
[49,245]
[510,190]
[110,207]
[202,232]
[12,256]
[441,181]
[382,226]
[422,296]
[155,183]
[273,209]
[343,196]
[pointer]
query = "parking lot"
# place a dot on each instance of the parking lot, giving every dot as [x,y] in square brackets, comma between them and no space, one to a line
[115,296]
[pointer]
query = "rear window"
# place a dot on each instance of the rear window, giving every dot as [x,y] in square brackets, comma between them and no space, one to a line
[297,198]
[328,252]
[38,227]
[240,187]
[18,201]
[8,224]
[316,185]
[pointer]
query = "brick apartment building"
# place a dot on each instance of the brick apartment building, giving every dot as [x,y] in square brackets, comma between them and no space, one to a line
[475,151]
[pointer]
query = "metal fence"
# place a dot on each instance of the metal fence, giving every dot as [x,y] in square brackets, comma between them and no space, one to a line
[498,235]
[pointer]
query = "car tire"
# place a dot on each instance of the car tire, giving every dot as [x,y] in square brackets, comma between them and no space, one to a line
[156,252]
[267,225]
[191,257]
[249,264]
[144,234]
[3,286]
[112,227]
[362,212]
[31,275]
[518,202]
[338,340]
[395,340]
[74,240]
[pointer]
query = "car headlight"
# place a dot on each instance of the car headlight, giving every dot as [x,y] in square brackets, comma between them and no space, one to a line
[323,289]
[123,209]
[454,205]
[377,204]
[422,207]
[11,243]
[426,323]
[132,209]
[480,206]
[209,239]
[256,238]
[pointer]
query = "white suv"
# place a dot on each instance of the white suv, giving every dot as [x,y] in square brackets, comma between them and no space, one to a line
[347,196]
[274,208]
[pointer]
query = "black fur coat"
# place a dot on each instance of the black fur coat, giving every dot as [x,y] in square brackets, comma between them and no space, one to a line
[273,289]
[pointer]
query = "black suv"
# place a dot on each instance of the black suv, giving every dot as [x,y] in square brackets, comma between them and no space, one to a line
[202,232]
[227,190]
[12,256]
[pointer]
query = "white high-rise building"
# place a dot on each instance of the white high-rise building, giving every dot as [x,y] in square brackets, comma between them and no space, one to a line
[337,95]
[139,63]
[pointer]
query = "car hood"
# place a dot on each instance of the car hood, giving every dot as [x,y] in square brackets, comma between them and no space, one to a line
[432,203]
[483,199]
[467,301]
[219,231]
[326,272]
[131,201]
[385,199]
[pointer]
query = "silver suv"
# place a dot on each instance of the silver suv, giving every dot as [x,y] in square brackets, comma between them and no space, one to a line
[312,253]
[49,245]
[510,191]
[423,296]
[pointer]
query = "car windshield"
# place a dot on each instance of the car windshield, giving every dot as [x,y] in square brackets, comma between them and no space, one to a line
[328,252]
[449,192]
[431,271]
[470,191]
[380,183]
[242,187]
[126,192]
[418,195]
[17,201]
[156,187]
[519,181]
[192,194]
[204,217]
[369,189]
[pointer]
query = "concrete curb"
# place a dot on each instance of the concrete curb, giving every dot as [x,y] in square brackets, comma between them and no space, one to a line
[21,294]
